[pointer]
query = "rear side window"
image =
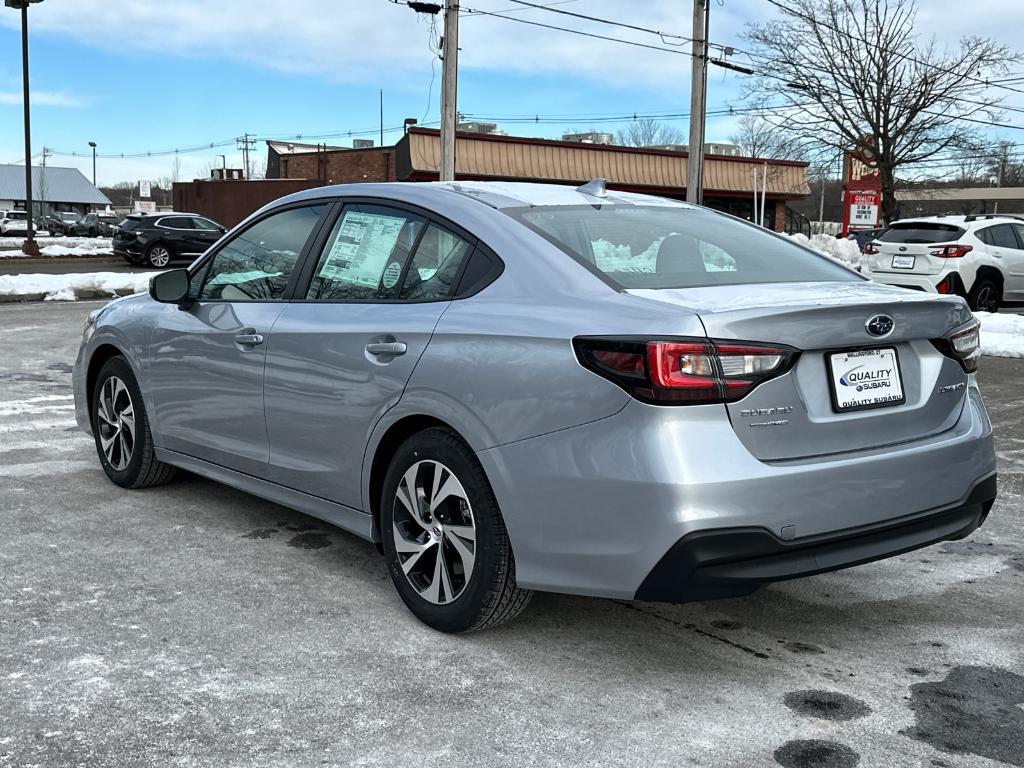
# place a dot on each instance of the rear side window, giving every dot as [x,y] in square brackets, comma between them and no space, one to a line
[664,246]
[922,232]
[365,255]
[1001,236]
[435,265]
[205,224]
[176,222]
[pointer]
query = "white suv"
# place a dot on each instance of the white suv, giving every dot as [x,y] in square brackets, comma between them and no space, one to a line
[13,221]
[978,257]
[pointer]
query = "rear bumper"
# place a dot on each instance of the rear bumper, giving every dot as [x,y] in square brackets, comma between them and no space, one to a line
[732,562]
[954,280]
[594,509]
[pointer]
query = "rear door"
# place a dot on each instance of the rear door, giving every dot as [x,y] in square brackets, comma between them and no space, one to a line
[905,248]
[1013,272]
[342,355]
[206,363]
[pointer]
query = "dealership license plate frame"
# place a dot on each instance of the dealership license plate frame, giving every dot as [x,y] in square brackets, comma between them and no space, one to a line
[830,374]
[905,262]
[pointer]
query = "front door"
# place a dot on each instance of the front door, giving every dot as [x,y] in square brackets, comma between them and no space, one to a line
[206,361]
[341,357]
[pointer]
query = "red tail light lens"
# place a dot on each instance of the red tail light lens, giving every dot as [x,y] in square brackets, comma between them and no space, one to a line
[953,251]
[871,249]
[684,371]
[963,345]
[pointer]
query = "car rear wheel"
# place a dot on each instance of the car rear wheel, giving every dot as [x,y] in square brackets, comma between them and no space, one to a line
[121,429]
[444,539]
[158,255]
[985,295]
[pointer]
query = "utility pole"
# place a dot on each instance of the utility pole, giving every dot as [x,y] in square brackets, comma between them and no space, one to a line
[698,91]
[999,177]
[382,117]
[245,143]
[449,81]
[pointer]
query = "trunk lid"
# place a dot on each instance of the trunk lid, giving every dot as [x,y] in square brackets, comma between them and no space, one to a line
[798,414]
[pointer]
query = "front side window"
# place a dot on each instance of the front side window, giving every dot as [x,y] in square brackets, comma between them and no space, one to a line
[255,264]
[365,254]
[662,246]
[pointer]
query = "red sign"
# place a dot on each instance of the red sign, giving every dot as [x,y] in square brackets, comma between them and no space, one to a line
[862,209]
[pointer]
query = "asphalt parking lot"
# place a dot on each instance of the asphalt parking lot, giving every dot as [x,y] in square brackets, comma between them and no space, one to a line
[193,625]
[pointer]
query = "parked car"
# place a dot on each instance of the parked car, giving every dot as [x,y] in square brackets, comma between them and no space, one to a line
[94,225]
[59,222]
[14,223]
[517,387]
[158,239]
[864,236]
[980,258]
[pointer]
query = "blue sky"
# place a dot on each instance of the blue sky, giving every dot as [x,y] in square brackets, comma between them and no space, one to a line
[138,75]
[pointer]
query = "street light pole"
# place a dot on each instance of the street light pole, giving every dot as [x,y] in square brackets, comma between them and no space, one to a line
[93,145]
[30,247]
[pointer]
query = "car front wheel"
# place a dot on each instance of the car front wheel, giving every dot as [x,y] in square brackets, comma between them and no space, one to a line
[444,539]
[121,429]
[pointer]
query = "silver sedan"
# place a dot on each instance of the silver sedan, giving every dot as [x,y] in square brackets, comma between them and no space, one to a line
[518,387]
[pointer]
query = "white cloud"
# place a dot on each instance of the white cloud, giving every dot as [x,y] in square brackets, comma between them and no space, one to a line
[39,99]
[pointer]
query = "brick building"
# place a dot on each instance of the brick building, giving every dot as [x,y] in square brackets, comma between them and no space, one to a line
[729,180]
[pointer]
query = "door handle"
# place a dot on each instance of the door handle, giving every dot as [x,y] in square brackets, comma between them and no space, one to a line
[386,348]
[249,339]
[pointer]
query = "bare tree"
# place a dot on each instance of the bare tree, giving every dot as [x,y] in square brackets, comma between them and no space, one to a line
[176,169]
[850,73]
[647,132]
[756,137]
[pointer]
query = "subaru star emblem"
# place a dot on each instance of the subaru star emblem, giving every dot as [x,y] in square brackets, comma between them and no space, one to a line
[903,248]
[880,325]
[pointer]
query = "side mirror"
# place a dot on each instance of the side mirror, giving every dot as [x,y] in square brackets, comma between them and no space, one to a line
[170,287]
[223,230]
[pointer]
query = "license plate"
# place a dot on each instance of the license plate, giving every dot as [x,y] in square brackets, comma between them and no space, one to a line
[903,262]
[865,378]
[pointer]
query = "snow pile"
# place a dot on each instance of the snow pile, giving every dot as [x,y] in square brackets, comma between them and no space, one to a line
[93,249]
[1001,335]
[10,247]
[83,285]
[844,251]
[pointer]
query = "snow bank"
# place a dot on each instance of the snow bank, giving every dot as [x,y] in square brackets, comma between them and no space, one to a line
[82,285]
[1002,335]
[10,247]
[844,251]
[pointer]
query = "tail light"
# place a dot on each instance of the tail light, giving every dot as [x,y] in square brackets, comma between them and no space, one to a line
[684,371]
[952,251]
[963,345]
[871,249]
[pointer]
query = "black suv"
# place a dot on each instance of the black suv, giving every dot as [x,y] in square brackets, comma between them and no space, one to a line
[157,238]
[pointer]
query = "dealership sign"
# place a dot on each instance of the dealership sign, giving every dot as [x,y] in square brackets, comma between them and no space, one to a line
[145,206]
[862,189]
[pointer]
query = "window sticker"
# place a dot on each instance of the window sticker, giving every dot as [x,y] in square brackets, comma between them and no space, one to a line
[363,244]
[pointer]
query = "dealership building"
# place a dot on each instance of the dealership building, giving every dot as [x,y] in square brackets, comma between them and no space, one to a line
[53,189]
[729,179]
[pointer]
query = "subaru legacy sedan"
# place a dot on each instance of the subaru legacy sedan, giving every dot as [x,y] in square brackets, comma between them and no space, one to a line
[519,387]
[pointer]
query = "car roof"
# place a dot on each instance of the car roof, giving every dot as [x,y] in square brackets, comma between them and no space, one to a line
[496,194]
[961,220]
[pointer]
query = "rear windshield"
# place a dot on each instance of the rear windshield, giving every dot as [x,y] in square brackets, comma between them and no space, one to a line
[921,232]
[633,246]
[129,224]
[17,215]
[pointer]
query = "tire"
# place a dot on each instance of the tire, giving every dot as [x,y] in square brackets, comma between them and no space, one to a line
[985,295]
[127,458]
[467,521]
[158,256]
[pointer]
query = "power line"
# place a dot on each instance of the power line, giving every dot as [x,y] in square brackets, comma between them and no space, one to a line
[600,20]
[577,32]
